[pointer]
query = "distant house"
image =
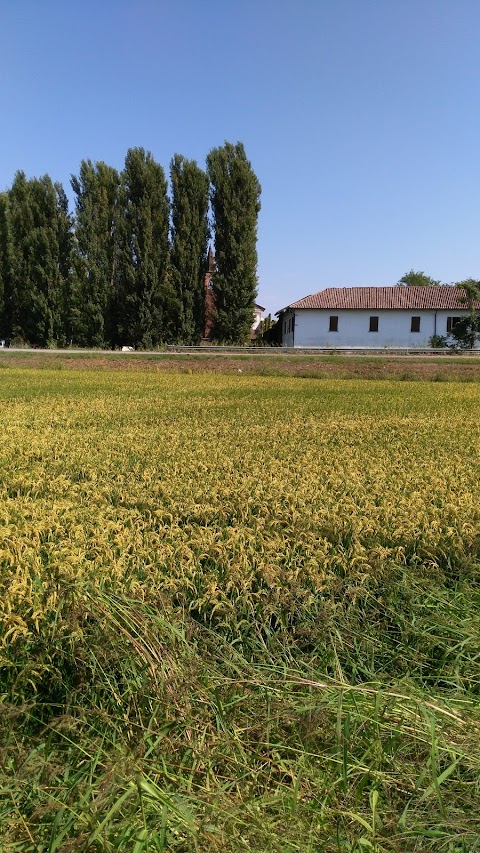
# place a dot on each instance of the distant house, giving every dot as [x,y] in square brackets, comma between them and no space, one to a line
[372,317]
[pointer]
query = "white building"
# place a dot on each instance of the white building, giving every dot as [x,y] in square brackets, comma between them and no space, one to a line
[373,317]
[258,317]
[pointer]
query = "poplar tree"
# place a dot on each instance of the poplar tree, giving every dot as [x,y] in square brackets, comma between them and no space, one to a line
[145,296]
[5,270]
[188,253]
[65,238]
[97,190]
[38,245]
[235,200]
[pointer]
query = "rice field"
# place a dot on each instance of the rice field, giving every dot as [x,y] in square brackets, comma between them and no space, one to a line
[238,612]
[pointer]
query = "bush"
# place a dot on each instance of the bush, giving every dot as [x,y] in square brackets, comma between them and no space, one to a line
[437,342]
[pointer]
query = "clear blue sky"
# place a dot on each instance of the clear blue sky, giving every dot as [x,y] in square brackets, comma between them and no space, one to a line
[360,117]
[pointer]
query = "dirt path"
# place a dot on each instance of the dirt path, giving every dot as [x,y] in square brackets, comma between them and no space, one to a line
[430,368]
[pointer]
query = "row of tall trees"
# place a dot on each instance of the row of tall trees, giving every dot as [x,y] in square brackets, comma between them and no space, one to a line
[128,266]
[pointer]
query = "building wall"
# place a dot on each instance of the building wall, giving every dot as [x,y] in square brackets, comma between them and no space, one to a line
[288,331]
[258,317]
[310,328]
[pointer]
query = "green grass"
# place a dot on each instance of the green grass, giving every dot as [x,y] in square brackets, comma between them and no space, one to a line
[238,614]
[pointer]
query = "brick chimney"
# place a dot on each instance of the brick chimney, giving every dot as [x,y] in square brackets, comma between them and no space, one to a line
[209,296]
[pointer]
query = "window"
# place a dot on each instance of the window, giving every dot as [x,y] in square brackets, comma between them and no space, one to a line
[373,324]
[415,326]
[451,322]
[333,326]
[289,326]
[284,327]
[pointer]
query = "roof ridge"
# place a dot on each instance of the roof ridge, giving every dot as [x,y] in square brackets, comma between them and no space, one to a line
[429,297]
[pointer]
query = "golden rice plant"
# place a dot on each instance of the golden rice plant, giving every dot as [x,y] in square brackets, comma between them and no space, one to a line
[238,612]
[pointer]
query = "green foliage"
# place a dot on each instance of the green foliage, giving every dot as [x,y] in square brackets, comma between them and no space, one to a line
[188,253]
[417,279]
[65,236]
[269,333]
[109,277]
[146,304]
[235,201]
[466,331]
[5,270]
[36,241]
[438,341]
[97,190]
[471,286]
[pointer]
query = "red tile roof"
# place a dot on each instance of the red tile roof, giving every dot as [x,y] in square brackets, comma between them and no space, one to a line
[436,297]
